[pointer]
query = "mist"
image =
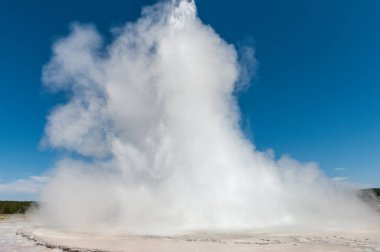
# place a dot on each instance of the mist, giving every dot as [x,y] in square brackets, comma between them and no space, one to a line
[153,129]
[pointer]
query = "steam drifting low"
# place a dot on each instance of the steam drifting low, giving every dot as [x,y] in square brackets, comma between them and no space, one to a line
[154,118]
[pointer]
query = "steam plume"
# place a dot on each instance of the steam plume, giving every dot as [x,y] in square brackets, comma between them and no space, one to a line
[154,116]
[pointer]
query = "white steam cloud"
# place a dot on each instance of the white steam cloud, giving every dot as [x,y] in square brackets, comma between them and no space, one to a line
[154,116]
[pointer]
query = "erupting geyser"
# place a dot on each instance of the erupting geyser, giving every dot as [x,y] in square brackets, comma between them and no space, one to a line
[154,125]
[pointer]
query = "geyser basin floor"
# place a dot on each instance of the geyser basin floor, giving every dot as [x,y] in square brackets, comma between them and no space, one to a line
[349,240]
[11,242]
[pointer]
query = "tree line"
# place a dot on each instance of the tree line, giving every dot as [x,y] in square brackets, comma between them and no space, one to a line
[15,207]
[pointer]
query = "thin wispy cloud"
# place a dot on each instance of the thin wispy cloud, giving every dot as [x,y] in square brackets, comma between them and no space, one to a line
[30,185]
[340,178]
[340,169]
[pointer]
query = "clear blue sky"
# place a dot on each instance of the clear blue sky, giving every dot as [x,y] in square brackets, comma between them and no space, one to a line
[316,95]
